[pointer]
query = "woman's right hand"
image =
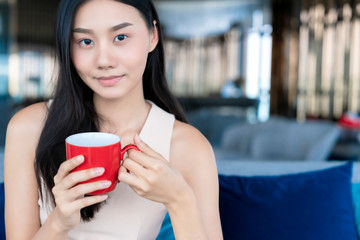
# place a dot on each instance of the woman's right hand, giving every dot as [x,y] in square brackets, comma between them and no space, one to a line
[70,196]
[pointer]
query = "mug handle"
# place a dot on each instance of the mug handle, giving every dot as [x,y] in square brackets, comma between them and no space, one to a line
[127,148]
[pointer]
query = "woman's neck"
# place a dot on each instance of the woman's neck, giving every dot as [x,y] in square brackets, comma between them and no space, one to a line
[122,115]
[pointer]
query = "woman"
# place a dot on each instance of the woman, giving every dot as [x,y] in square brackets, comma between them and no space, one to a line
[111,79]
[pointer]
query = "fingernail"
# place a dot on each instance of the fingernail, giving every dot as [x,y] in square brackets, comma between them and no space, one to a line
[99,171]
[104,197]
[106,183]
[80,159]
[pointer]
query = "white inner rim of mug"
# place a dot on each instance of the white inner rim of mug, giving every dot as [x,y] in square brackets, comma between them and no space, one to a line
[92,139]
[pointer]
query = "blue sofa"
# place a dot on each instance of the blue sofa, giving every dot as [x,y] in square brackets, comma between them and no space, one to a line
[279,139]
[299,200]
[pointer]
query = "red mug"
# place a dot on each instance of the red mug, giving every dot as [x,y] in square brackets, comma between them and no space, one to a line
[99,150]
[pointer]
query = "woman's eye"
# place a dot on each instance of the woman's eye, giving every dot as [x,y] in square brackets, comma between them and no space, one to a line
[120,38]
[86,42]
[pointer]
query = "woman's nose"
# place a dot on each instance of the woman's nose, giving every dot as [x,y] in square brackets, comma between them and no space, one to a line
[105,57]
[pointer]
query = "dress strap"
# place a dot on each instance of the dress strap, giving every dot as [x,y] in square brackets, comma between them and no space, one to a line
[157,130]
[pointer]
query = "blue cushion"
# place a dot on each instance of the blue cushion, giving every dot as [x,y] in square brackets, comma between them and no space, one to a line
[166,231]
[356,197]
[2,203]
[311,205]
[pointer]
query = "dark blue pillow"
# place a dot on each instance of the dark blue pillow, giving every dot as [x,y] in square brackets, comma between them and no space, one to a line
[356,199]
[312,205]
[2,204]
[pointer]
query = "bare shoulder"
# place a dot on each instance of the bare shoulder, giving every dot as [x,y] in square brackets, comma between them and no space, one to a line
[188,145]
[187,136]
[24,130]
[28,121]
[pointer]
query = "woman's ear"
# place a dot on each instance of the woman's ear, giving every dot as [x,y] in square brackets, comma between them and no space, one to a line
[154,37]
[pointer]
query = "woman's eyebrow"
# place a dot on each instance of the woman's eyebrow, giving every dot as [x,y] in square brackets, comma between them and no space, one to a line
[120,26]
[82,30]
[112,29]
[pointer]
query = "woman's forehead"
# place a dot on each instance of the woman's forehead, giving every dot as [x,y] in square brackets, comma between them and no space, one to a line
[105,12]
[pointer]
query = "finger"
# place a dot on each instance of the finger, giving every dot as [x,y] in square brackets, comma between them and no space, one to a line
[122,169]
[88,201]
[134,167]
[143,147]
[83,189]
[67,166]
[141,159]
[129,179]
[80,176]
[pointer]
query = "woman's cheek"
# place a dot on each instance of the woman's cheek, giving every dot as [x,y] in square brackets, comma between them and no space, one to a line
[136,57]
[82,60]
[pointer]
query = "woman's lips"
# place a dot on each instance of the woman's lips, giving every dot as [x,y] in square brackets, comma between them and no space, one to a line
[109,81]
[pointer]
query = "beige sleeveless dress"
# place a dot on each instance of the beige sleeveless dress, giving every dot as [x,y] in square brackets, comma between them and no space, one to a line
[125,214]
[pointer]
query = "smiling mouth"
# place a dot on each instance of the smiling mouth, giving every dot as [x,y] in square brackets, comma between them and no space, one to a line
[105,78]
[109,81]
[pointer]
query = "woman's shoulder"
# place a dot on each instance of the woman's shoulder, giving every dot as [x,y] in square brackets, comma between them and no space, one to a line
[29,120]
[186,133]
[23,132]
[189,143]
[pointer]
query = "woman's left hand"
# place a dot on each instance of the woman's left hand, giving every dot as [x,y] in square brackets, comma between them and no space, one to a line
[151,176]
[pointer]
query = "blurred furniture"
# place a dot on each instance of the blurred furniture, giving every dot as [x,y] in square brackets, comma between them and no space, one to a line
[5,110]
[212,122]
[279,139]
[2,211]
[1,164]
[294,200]
[212,115]
[194,103]
[348,145]
[289,200]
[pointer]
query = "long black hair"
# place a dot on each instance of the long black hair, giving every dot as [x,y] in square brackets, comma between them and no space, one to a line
[72,109]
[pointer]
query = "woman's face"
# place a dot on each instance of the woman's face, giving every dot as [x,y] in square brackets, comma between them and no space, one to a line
[109,47]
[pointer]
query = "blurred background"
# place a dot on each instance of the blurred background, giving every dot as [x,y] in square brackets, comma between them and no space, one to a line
[287,68]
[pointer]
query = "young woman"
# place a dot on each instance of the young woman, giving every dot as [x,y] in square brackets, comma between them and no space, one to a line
[111,79]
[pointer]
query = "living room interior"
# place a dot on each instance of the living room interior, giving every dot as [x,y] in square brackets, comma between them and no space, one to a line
[274,85]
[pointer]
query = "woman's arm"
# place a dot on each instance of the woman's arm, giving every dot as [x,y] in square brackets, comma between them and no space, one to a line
[22,218]
[193,156]
[187,185]
[21,195]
